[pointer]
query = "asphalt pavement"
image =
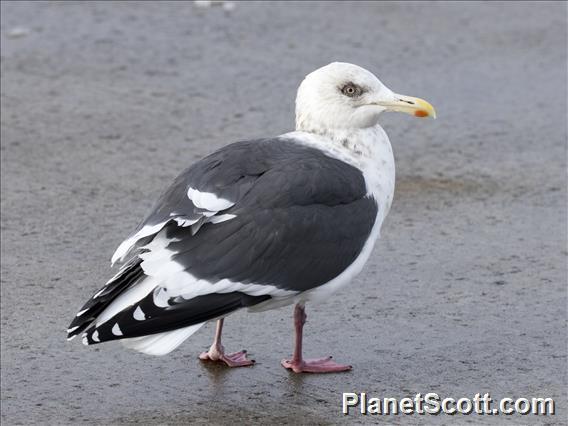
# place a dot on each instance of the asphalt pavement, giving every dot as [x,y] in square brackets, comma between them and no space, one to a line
[102,104]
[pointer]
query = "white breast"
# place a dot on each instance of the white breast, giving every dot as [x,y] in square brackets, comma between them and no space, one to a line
[379,170]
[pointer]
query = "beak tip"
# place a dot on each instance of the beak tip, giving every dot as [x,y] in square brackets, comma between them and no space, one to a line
[410,105]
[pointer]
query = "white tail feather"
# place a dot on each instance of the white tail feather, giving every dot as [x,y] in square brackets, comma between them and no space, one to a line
[161,343]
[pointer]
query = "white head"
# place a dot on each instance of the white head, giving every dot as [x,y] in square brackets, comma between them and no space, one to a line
[347,97]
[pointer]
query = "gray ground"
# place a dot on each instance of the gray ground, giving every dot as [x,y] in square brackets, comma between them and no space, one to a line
[102,105]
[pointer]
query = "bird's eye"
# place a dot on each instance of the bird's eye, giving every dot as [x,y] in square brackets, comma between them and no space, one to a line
[351,90]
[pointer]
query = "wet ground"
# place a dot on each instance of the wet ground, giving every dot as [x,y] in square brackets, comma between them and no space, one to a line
[102,105]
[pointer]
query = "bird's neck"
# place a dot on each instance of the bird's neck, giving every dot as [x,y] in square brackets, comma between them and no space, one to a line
[360,145]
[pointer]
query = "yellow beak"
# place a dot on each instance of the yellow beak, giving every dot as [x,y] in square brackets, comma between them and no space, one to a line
[413,106]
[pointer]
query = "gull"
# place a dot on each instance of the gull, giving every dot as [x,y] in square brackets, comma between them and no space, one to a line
[259,224]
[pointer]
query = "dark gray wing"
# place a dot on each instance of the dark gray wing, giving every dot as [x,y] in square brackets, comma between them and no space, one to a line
[278,218]
[296,229]
[274,211]
[301,222]
[207,187]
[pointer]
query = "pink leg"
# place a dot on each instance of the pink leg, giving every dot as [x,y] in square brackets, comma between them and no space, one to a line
[300,365]
[217,352]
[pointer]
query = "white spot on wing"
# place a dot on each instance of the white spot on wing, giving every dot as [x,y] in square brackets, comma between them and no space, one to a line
[158,255]
[161,298]
[139,314]
[95,336]
[101,291]
[127,244]
[208,200]
[81,312]
[222,218]
[203,200]
[116,330]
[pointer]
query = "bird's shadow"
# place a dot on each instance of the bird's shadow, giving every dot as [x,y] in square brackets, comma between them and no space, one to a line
[296,381]
[216,372]
[219,376]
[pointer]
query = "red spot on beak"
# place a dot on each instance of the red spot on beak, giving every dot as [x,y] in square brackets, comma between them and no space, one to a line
[421,113]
